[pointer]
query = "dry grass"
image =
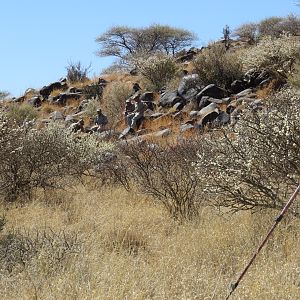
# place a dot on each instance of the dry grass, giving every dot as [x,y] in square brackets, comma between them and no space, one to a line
[267,91]
[56,92]
[129,249]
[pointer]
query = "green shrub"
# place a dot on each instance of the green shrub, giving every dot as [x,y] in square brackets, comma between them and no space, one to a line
[90,109]
[20,113]
[218,66]
[114,97]
[157,70]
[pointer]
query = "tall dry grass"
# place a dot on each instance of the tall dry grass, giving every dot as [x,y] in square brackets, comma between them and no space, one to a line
[127,248]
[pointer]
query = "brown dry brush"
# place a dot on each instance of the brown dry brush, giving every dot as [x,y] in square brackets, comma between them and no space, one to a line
[49,158]
[167,174]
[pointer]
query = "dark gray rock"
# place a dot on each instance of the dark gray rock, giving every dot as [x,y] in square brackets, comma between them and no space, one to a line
[193,113]
[204,102]
[209,118]
[250,76]
[244,93]
[147,97]
[47,90]
[125,132]
[102,82]
[262,77]
[189,86]
[169,98]
[64,97]
[238,86]
[208,109]
[222,119]
[235,116]
[19,99]
[74,90]
[265,82]
[70,119]
[156,115]
[186,127]
[35,101]
[178,106]
[212,91]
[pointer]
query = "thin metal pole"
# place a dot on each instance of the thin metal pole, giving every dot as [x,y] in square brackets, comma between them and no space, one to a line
[277,221]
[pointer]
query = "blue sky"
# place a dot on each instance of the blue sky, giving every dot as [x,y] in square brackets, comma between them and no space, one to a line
[39,38]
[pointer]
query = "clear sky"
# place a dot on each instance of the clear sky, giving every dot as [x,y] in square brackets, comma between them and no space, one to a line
[39,38]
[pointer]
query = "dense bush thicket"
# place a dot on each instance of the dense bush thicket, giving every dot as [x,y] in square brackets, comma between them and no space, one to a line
[21,113]
[47,158]
[272,54]
[157,70]
[114,97]
[216,65]
[273,26]
[47,249]
[258,166]
[166,173]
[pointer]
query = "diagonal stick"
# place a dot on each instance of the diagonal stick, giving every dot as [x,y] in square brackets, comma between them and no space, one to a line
[277,221]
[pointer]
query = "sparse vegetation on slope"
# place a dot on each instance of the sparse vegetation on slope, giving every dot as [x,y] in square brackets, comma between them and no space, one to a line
[143,212]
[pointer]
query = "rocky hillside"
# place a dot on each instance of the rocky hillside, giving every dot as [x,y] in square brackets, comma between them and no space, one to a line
[180,110]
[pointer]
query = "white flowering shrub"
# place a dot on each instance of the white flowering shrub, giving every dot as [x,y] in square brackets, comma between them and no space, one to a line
[157,70]
[218,66]
[272,54]
[258,166]
[47,158]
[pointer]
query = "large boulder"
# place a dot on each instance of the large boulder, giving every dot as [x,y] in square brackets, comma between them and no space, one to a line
[169,98]
[237,86]
[206,100]
[147,97]
[35,101]
[47,90]
[212,107]
[244,93]
[189,86]
[212,91]
[222,119]
[64,97]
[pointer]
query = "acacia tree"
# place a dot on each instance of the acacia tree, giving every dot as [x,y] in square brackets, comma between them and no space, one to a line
[248,31]
[123,41]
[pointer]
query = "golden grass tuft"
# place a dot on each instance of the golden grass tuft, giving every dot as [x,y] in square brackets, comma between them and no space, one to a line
[130,249]
[267,91]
